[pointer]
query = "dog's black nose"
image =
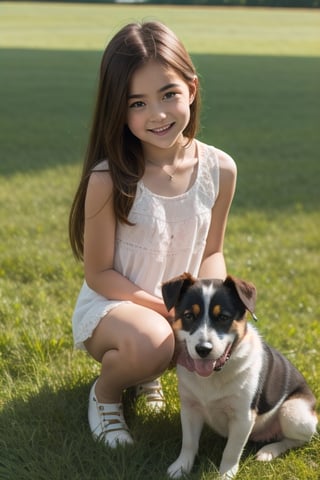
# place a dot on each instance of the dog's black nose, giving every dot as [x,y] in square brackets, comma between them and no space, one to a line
[203,349]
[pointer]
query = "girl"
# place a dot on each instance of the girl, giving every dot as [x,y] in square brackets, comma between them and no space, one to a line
[152,203]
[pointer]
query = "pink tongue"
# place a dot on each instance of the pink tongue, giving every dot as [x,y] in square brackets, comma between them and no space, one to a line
[204,368]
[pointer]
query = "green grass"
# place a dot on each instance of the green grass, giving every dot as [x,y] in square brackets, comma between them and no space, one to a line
[260,72]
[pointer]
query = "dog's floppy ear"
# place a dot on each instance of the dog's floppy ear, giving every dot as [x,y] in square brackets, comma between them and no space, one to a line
[173,289]
[246,291]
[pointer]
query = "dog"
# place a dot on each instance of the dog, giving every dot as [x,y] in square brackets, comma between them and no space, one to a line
[229,378]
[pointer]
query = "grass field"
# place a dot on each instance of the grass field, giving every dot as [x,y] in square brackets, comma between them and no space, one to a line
[260,71]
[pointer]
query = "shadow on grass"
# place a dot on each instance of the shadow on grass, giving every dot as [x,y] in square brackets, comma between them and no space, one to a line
[46,437]
[262,110]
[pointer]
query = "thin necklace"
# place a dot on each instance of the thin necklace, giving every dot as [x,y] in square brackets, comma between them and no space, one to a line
[169,175]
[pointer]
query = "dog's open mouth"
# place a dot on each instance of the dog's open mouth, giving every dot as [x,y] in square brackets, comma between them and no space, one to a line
[203,366]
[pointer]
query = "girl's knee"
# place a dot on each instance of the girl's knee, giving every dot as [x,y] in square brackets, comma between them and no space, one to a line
[136,335]
[152,350]
[164,352]
[157,345]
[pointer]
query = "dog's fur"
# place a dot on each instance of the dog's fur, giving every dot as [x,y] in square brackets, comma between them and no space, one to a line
[230,378]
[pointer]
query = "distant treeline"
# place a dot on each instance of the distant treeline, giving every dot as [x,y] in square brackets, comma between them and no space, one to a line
[243,3]
[225,3]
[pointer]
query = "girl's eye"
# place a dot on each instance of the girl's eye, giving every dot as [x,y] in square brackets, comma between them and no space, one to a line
[169,95]
[138,104]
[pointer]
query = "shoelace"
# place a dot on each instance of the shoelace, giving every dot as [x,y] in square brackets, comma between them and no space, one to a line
[112,421]
[152,392]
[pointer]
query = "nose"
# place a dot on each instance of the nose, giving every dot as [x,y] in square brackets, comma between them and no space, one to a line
[203,349]
[156,112]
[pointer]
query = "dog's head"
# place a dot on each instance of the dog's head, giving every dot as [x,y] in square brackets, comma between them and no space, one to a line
[210,318]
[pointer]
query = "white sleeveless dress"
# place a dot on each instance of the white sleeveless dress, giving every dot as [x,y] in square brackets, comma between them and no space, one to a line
[167,239]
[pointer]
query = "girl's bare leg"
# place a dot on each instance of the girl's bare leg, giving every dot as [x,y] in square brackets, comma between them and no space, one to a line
[134,345]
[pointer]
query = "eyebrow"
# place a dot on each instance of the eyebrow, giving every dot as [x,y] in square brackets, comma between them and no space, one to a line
[162,89]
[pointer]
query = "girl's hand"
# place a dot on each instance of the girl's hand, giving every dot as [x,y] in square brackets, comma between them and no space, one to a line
[171,316]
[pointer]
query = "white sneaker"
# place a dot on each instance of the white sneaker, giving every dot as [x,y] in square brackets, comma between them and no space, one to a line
[107,422]
[153,394]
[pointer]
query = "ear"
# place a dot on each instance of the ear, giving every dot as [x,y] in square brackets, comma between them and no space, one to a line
[247,292]
[193,87]
[173,290]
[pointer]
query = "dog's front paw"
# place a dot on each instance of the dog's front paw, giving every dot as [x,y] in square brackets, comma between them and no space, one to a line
[178,469]
[230,474]
[175,471]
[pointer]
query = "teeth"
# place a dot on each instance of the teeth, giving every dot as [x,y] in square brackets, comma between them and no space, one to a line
[162,129]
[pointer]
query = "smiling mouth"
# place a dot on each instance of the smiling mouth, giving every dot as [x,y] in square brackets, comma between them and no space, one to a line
[161,130]
[203,367]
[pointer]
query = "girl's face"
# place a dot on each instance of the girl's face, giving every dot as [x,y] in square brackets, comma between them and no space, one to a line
[159,106]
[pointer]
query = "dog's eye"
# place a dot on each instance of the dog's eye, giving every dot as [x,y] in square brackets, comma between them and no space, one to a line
[189,316]
[223,318]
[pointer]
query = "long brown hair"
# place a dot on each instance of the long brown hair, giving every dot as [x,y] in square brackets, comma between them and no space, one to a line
[132,47]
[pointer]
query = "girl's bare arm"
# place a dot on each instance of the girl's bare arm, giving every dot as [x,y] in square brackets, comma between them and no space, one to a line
[213,262]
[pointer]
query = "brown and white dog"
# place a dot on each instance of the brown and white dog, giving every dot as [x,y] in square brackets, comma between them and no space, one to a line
[230,378]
